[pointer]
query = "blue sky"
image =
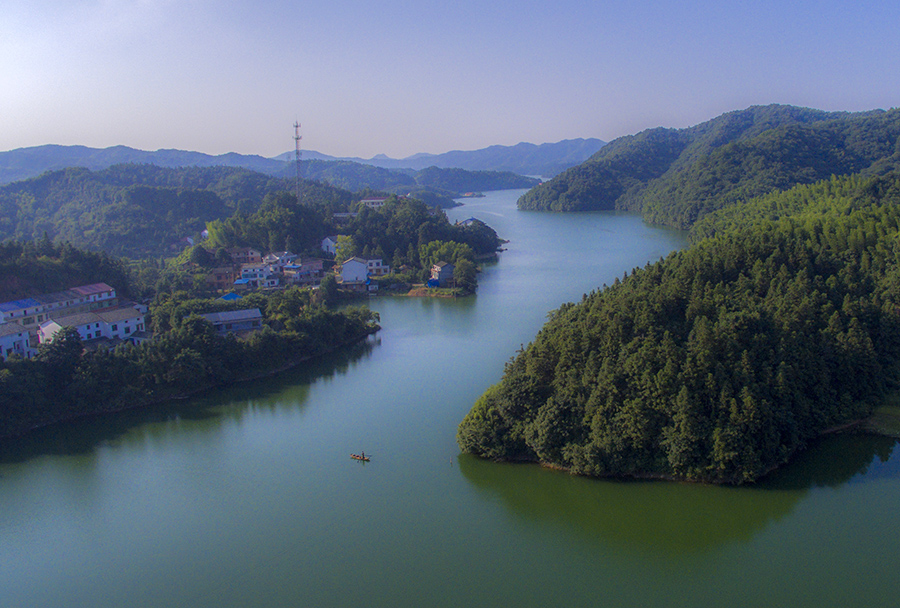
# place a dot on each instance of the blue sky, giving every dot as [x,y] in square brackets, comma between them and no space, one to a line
[400,77]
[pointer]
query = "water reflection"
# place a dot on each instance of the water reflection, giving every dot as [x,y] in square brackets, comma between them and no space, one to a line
[835,460]
[287,389]
[669,519]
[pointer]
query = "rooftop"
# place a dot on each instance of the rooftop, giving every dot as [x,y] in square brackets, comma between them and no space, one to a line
[74,320]
[232,315]
[7,329]
[94,288]
[120,314]
[18,304]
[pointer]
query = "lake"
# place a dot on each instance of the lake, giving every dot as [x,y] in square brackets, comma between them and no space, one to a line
[247,497]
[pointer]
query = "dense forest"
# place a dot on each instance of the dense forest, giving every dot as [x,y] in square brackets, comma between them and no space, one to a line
[676,176]
[280,223]
[396,231]
[144,210]
[721,361]
[187,356]
[140,210]
[449,183]
[37,267]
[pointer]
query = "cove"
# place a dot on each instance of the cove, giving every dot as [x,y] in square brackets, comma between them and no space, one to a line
[247,496]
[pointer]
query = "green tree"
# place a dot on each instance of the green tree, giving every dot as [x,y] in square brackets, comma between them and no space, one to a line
[466,275]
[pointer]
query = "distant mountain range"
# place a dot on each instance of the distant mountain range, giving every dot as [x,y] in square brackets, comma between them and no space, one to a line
[545,160]
[23,163]
[523,158]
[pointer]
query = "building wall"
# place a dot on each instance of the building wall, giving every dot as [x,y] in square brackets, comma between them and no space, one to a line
[92,326]
[354,270]
[14,340]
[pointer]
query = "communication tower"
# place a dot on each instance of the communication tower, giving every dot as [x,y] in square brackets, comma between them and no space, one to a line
[297,138]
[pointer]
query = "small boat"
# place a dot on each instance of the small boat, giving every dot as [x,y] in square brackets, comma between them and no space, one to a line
[362,457]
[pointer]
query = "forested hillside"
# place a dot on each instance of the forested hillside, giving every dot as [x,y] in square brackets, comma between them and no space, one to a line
[140,210]
[721,361]
[397,232]
[41,267]
[449,183]
[63,382]
[676,176]
[145,210]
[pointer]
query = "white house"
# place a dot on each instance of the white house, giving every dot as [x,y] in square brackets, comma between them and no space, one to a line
[14,341]
[376,268]
[122,322]
[277,260]
[259,275]
[374,202]
[329,244]
[355,273]
[357,269]
[119,323]
[354,270]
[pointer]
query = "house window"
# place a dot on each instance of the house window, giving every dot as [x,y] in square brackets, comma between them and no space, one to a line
[115,328]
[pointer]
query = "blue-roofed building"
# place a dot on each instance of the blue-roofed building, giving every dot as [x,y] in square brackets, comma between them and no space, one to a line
[18,310]
[33,311]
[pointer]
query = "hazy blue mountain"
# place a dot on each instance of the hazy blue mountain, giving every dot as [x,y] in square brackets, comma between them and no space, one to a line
[23,163]
[525,159]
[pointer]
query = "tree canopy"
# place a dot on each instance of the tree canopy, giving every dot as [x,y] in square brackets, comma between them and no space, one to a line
[721,361]
[142,210]
[676,176]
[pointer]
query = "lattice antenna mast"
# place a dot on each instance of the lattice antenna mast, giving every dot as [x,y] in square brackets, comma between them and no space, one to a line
[297,138]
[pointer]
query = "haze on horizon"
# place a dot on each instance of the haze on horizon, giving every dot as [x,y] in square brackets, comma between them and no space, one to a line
[400,77]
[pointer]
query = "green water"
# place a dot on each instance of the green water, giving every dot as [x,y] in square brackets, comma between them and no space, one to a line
[248,497]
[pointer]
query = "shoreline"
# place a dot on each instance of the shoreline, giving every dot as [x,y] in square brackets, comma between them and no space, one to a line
[884,422]
[199,391]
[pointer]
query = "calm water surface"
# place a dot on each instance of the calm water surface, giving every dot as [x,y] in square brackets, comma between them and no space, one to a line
[247,497]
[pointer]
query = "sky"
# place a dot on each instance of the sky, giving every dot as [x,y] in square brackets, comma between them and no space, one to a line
[400,77]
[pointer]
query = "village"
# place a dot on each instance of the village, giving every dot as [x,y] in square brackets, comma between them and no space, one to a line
[102,318]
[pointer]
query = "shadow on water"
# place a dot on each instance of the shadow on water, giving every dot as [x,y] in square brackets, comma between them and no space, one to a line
[835,460]
[668,519]
[286,389]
